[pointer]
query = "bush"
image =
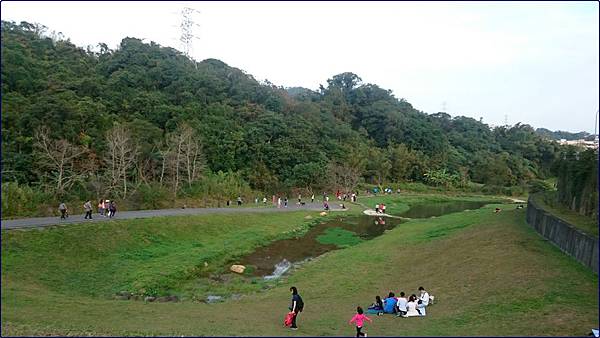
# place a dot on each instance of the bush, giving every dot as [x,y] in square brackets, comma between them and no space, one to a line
[151,196]
[539,186]
[19,200]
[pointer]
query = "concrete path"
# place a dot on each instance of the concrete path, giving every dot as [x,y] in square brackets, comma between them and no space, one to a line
[73,219]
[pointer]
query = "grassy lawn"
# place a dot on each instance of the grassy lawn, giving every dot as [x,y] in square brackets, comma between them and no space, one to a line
[399,203]
[547,202]
[491,275]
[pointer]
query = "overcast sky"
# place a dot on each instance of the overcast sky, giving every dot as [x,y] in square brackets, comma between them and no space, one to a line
[535,63]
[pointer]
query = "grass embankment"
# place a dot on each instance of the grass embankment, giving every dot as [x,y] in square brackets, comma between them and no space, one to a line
[547,201]
[491,275]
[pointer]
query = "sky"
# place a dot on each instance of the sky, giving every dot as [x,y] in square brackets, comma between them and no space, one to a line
[530,62]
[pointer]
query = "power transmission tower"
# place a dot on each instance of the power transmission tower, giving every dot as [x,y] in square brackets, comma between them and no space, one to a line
[187,32]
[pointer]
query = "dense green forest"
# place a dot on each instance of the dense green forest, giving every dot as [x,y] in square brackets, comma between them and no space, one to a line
[145,123]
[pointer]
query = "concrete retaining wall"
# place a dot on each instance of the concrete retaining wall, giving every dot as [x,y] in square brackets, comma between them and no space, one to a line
[574,242]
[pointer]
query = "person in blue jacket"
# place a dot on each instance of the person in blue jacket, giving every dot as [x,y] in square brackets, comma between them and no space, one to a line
[389,304]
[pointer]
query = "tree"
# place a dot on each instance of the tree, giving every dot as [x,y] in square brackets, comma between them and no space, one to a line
[120,157]
[58,157]
[184,155]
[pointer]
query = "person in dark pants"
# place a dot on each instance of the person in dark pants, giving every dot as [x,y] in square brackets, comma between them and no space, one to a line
[296,307]
[112,208]
[88,209]
[63,210]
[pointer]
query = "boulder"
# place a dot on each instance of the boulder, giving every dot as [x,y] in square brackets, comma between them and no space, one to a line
[149,299]
[308,217]
[323,213]
[124,294]
[162,299]
[237,268]
[213,299]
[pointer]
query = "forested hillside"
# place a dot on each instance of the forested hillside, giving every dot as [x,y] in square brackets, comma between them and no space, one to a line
[144,120]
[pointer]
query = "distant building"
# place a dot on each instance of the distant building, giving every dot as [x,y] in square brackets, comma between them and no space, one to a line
[581,143]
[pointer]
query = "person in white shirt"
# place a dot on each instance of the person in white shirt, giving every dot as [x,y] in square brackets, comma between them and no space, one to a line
[411,307]
[424,301]
[401,305]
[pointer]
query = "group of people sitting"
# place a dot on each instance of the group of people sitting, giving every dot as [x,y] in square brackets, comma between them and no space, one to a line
[414,306]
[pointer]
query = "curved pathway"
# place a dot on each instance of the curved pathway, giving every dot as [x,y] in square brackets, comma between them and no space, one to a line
[73,219]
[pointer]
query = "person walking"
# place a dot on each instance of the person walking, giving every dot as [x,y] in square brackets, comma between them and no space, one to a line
[112,209]
[87,206]
[296,307]
[312,198]
[278,202]
[359,319]
[101,207]
[62,207]
[285,202]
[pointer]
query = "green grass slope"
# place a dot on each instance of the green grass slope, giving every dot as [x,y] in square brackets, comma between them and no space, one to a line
[491,275]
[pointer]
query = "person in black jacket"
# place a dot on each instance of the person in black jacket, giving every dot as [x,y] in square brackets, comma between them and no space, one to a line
[296,307]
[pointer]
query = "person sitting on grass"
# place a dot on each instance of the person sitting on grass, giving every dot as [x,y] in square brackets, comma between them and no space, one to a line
[359,318]
[423,301]
[377,307]
[389,304]
[411,307]
[401,304]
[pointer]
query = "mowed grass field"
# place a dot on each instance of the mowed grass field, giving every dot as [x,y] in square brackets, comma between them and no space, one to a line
[491,275]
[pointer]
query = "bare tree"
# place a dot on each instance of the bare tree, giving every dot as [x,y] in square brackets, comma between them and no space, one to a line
[346,175]
[184,155]
[57,157]
[120,157]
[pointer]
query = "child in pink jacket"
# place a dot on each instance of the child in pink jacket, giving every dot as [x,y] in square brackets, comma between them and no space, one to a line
[359,318]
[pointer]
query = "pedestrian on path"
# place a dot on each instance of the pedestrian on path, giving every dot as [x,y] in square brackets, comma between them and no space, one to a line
[87,206]
[64,212]
[112,208]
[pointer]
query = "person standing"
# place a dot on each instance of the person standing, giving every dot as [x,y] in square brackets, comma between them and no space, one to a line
[62,207]
[296,307]
[278,202]
[299,199]
[87,206]
[265,200]
[239,201]
[312,198]
[285,202]
[359,319]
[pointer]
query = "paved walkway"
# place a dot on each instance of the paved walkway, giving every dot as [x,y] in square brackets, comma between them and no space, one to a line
[73,219]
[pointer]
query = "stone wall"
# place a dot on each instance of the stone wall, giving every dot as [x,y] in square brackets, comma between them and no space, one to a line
[574,242]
